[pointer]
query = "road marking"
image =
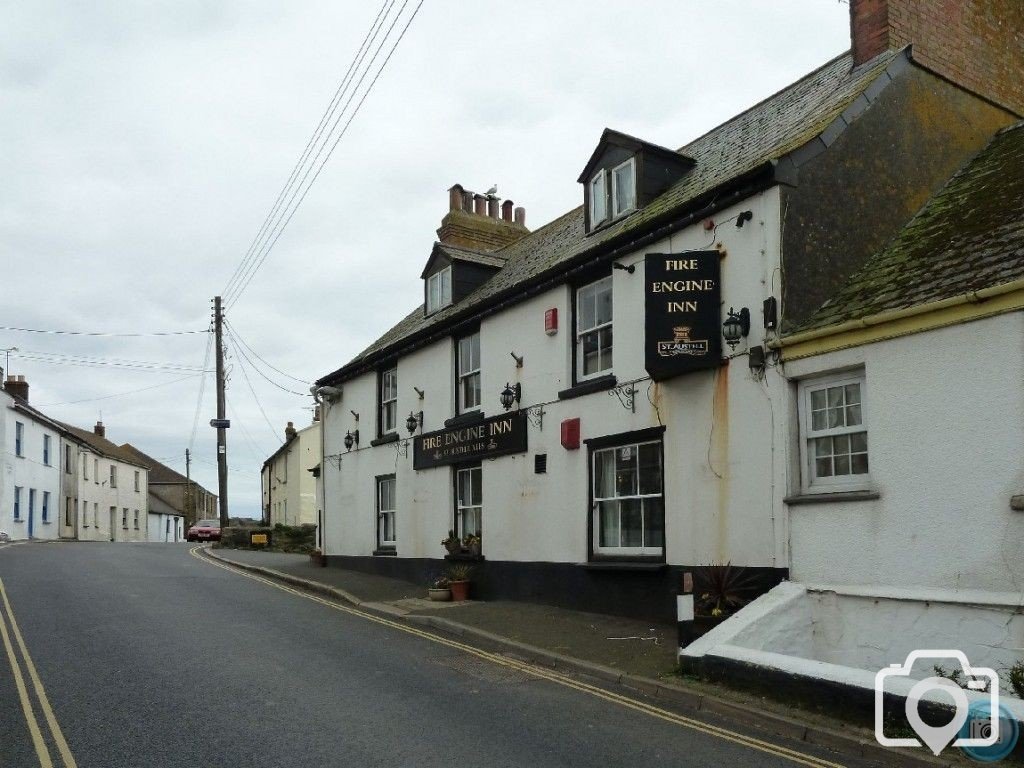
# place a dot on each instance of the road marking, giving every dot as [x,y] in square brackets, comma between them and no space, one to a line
[735,737]
[37,683]
[26,704]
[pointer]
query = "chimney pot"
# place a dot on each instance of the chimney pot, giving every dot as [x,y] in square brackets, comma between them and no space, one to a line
[16,386]
[99,429]
[456,197]
[506,211]
[521,216]
[479,205]
[492,207]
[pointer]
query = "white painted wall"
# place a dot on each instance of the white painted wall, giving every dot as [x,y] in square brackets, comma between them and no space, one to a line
[94,524]
[165,528]
[288,486]
[29,472]
[945,437]
[724,444]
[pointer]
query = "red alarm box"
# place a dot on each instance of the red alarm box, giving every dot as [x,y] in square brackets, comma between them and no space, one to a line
[551,321]
[571,434]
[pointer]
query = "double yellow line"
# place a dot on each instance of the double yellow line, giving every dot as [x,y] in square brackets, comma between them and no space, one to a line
[636,705]
[38,739]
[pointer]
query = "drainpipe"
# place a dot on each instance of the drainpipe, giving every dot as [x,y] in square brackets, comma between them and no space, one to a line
[322,516]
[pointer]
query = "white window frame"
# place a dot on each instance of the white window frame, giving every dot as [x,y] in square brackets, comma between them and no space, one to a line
[137,486]
[387,508]
[135,518]
[85,466]
[85,514]
[113,476]
[809,482]
[44,510]
[465,373]
[389,400]
[96,471]
[443,280]
[598,191]
[641,551]
[462,508]
[46,451]
[19,439]
[17,504]
[616,213]
[581,332]
[124,518]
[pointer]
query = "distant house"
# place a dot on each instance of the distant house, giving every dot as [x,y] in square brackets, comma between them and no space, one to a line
[30,480]
[173,494]
[288,484]
[111,488]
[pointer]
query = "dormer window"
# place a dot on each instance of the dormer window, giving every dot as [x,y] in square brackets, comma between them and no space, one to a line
[599,198]
[439,290]
[624,188]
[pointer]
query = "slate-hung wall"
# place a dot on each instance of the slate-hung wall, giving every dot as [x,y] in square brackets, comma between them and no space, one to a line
[718,439]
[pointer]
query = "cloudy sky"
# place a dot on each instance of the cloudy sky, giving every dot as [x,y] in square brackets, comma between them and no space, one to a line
[142,146]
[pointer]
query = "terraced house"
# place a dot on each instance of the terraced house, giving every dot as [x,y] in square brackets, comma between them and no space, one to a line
[594,412]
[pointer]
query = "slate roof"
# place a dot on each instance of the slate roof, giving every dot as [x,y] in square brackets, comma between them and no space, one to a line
[159,474]
[968,236]
[751,140]
[458,253]
[102,445]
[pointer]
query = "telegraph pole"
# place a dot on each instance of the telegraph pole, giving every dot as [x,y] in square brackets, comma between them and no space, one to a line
[190,504]
[222,433]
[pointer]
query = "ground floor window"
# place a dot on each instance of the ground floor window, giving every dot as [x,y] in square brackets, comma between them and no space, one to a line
[124,518]
[46,506]
[628,499]
[469,501]
[386,506]
[136,519]
[85,514]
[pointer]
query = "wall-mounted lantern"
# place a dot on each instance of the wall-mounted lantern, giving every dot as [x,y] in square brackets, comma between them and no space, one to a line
[414,421]
[351,438]
[511,395]
[736,326]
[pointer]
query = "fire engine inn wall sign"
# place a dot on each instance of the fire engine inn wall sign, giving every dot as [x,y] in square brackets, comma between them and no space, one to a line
[682,303]
[497,436]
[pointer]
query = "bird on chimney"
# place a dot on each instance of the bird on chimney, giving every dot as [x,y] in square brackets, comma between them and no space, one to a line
[493,191]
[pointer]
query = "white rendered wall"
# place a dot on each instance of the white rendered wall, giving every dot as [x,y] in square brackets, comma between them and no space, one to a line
[945,437]
[158,527]
[288,479]
[28,472]
[100,496]
[724,443]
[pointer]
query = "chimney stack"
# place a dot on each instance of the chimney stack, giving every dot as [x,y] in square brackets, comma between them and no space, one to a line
[976,44]
[481,222]
[289,431]
[16,386]
[99,429]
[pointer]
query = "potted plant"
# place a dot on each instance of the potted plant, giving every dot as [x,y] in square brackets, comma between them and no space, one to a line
[452,543]
[721,591]
[439,590]
[316,557]
[458,581]
[471,544]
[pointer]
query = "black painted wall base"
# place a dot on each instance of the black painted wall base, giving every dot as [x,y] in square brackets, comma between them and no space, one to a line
[642,593]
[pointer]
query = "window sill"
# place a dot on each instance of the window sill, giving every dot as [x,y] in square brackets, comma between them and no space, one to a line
[624,566]
[831,497]
[588,387]
[465,557]
[470,417]
[385,552]
[390,437]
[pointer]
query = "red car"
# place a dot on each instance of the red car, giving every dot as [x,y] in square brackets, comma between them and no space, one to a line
[204,530]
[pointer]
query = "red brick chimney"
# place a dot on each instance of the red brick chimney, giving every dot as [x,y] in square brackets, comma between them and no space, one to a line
[99,429]
[480,222]
[16,386]
[977,44]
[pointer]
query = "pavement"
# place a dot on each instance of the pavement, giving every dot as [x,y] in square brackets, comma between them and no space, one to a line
[632,654]
[151,655]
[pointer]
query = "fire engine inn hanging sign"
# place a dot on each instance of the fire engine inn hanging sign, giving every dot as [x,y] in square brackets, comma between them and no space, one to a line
[682,302]
[486,439]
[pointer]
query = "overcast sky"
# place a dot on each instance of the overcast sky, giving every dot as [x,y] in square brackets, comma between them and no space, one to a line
[142,145]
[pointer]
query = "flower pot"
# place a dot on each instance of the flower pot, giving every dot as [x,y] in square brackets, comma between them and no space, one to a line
[453,547]
[439,595]
[460,590]
[474,549]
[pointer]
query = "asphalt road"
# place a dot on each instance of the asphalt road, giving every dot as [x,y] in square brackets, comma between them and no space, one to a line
[149,656]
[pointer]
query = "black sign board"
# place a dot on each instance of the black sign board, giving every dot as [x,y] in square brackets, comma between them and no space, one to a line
[682,302]
[497,436]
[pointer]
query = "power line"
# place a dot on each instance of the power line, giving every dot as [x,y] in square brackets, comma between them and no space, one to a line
[339,92]
[243,356]
[255,450]
[244,343]
[97,333]
[54,358]
[258,262]
[202,389]
[120,394]
[255,396]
